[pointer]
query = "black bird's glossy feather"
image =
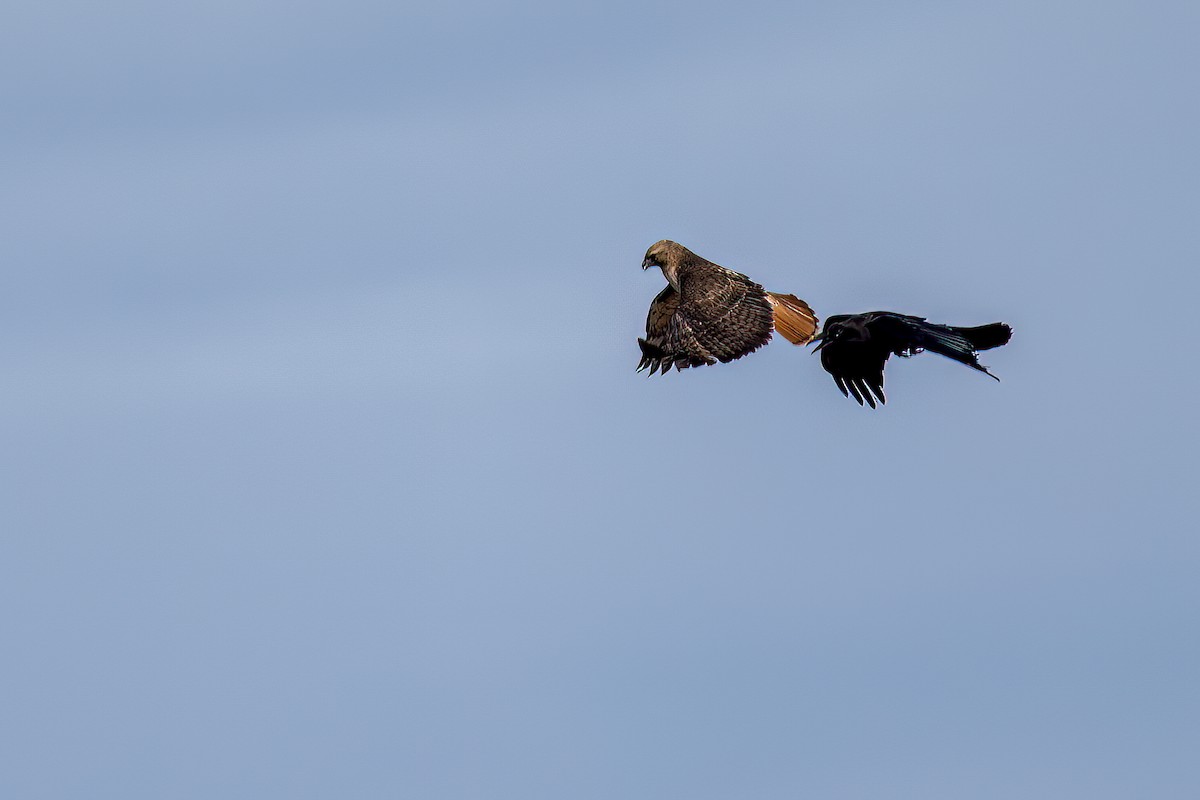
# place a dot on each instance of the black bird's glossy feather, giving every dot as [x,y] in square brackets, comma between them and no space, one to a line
[855,347]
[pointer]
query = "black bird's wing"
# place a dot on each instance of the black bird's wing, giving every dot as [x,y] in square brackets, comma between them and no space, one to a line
[854,360]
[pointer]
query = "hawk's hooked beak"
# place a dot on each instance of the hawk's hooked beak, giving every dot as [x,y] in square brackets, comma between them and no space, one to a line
[647,263]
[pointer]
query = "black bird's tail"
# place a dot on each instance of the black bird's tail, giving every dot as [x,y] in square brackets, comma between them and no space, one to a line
[985,337]
[960,344]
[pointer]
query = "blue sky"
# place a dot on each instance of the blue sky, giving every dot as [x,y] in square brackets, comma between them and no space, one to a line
[327,469]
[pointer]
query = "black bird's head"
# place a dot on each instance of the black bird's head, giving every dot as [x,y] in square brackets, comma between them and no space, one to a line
[841,328]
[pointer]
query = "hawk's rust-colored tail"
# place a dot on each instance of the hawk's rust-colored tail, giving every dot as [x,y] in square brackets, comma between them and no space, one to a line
[794,320]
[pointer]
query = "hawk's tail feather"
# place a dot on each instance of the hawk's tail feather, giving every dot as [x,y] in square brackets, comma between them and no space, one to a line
[794,320]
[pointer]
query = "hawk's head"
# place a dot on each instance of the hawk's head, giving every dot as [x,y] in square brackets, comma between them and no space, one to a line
[662,253]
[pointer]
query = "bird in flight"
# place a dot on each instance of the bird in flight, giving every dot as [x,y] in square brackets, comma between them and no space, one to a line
[708,313]
[854,347]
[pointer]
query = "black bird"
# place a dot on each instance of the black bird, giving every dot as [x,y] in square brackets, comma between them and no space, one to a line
[854,347]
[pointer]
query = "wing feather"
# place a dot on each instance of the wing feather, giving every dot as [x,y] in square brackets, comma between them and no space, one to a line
[856,347]
[662,308]
[855,361]
[717,316]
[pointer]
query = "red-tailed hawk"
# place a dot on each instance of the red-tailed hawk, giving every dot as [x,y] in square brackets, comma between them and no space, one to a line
[854,347]
[708,313]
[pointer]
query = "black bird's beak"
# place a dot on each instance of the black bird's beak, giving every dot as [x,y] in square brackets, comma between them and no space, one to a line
[820,337]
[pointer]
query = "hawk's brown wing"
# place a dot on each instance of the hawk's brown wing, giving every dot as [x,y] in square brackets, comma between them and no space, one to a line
[662,308]
[718,315]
